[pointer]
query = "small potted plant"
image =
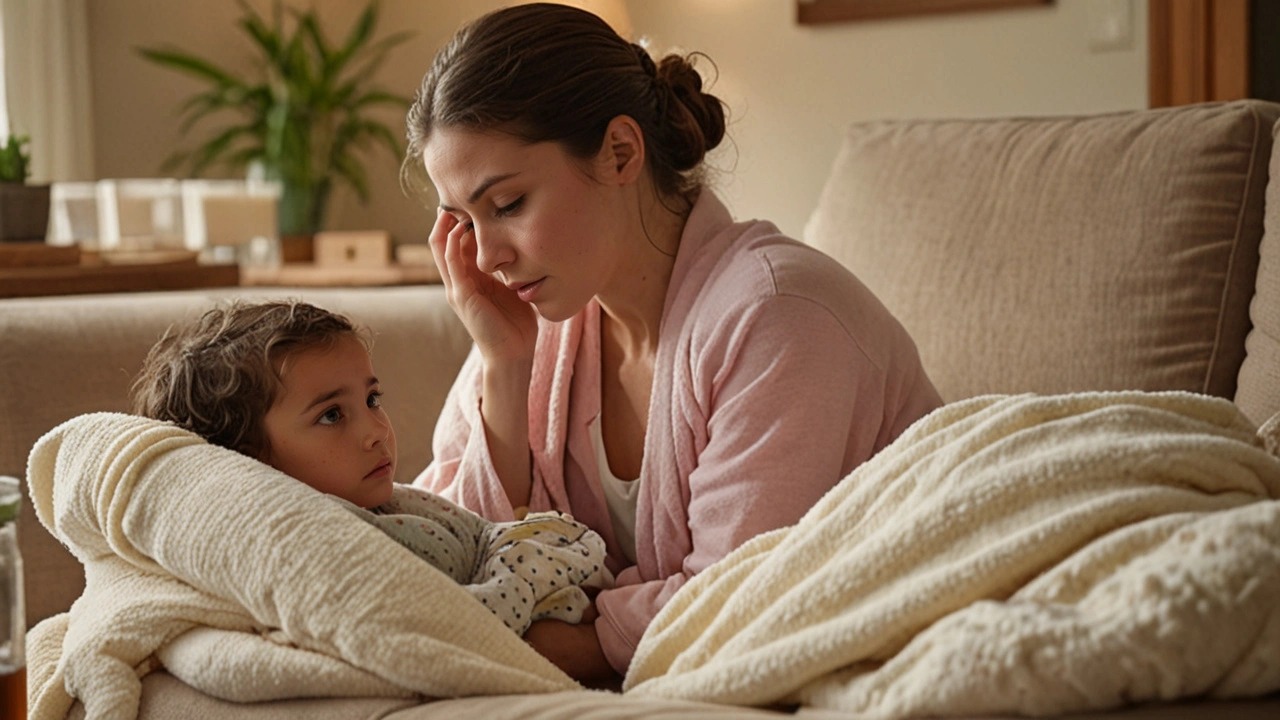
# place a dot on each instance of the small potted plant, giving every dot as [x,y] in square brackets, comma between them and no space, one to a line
[24,209]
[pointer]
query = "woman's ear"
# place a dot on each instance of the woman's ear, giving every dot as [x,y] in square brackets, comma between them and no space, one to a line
[621,157]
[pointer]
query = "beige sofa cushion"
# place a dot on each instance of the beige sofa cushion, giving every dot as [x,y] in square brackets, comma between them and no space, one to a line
[66,356]
[1258,394]
[166,698]
[1060,254]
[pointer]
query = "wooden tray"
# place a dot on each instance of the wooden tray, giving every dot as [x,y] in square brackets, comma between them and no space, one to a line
[77,279]
[33,254]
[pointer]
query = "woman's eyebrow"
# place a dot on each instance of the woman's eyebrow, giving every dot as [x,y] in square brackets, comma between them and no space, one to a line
[479,191]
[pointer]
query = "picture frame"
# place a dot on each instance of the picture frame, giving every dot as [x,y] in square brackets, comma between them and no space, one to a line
[818,12]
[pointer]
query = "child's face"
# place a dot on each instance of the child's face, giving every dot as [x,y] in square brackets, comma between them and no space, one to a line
[328,429]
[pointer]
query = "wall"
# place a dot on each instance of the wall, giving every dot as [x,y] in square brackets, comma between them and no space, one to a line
[790,88]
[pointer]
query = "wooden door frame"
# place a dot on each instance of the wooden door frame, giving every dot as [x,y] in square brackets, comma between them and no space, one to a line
[1199,51]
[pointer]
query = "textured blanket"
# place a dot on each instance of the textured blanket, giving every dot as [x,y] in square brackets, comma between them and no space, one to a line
[1029,555]
[242,582]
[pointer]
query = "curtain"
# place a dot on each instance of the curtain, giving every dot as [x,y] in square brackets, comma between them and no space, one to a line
[47,85]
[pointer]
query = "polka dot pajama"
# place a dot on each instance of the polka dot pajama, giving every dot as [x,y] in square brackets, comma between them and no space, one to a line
[523,571]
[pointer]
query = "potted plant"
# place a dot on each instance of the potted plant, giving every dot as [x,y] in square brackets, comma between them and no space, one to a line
[302,116]
[24,209]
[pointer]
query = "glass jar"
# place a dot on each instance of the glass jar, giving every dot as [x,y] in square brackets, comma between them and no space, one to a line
[13,614]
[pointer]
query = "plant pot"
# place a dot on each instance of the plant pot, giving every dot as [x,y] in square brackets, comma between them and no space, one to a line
[297,248]
[24,212]
[302,208]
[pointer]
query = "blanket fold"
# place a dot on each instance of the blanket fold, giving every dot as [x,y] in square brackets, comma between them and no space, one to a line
[189,547]
[1024,554]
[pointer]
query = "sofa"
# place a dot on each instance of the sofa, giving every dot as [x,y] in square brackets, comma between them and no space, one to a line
[1128,251]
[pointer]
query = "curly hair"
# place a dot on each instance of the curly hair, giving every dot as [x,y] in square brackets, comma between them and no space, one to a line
[218,376]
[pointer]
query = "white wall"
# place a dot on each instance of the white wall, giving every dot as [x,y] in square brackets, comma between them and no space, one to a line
[790,88]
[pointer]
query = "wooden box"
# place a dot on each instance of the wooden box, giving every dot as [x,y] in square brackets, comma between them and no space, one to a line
[362,248]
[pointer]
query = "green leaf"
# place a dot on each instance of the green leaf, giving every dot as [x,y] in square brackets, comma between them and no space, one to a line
[213,151]
[342,96]
[277,122]
[191,65]
[14,159]
[311,26]
[362,31]
[383,134]
[295,67]
[200,107]
[263,37]
[360,132]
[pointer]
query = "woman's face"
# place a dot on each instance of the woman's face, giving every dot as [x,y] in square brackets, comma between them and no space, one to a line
[541,225]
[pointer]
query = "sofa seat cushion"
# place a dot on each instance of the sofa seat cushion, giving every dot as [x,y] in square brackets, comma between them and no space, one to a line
[165,697]
[1056,255]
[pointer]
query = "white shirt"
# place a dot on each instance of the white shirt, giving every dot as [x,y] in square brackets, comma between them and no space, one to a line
[620,495]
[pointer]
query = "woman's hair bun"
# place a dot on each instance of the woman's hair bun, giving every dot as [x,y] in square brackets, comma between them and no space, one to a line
[695,118]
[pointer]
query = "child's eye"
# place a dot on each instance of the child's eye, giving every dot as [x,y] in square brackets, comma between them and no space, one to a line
[508,209]
[330,417]
[374,400]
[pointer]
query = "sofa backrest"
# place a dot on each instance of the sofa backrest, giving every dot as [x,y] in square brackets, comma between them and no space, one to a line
[66,356]
[1258,394]
[1102,252]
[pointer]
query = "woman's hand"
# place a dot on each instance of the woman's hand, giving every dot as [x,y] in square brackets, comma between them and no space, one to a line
[504,329]
[575,649]
[503,326]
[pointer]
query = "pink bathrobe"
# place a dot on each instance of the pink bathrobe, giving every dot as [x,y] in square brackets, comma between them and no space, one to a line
[777,372]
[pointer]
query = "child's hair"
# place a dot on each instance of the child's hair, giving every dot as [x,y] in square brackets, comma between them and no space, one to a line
[218,376]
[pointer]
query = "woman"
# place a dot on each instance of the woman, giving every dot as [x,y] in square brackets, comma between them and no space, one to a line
[676,381]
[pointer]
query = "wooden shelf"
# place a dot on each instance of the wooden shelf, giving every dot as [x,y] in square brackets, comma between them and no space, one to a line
[78,279]
[36,269]
[32,254]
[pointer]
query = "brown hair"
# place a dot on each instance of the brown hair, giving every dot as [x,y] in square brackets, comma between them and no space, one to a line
[547,72]
[218,376]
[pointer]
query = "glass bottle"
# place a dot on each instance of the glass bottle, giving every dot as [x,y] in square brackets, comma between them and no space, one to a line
[13,614]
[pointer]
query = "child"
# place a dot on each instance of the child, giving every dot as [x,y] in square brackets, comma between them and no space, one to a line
[292,385]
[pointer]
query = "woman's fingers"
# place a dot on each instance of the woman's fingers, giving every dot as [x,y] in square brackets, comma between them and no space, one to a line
[438,240]
[448,239]
[494,316]
[467,245]
[459,272]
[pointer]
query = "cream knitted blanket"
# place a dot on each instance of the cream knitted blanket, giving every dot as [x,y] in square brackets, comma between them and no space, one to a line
[1030,555]
[242,582]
